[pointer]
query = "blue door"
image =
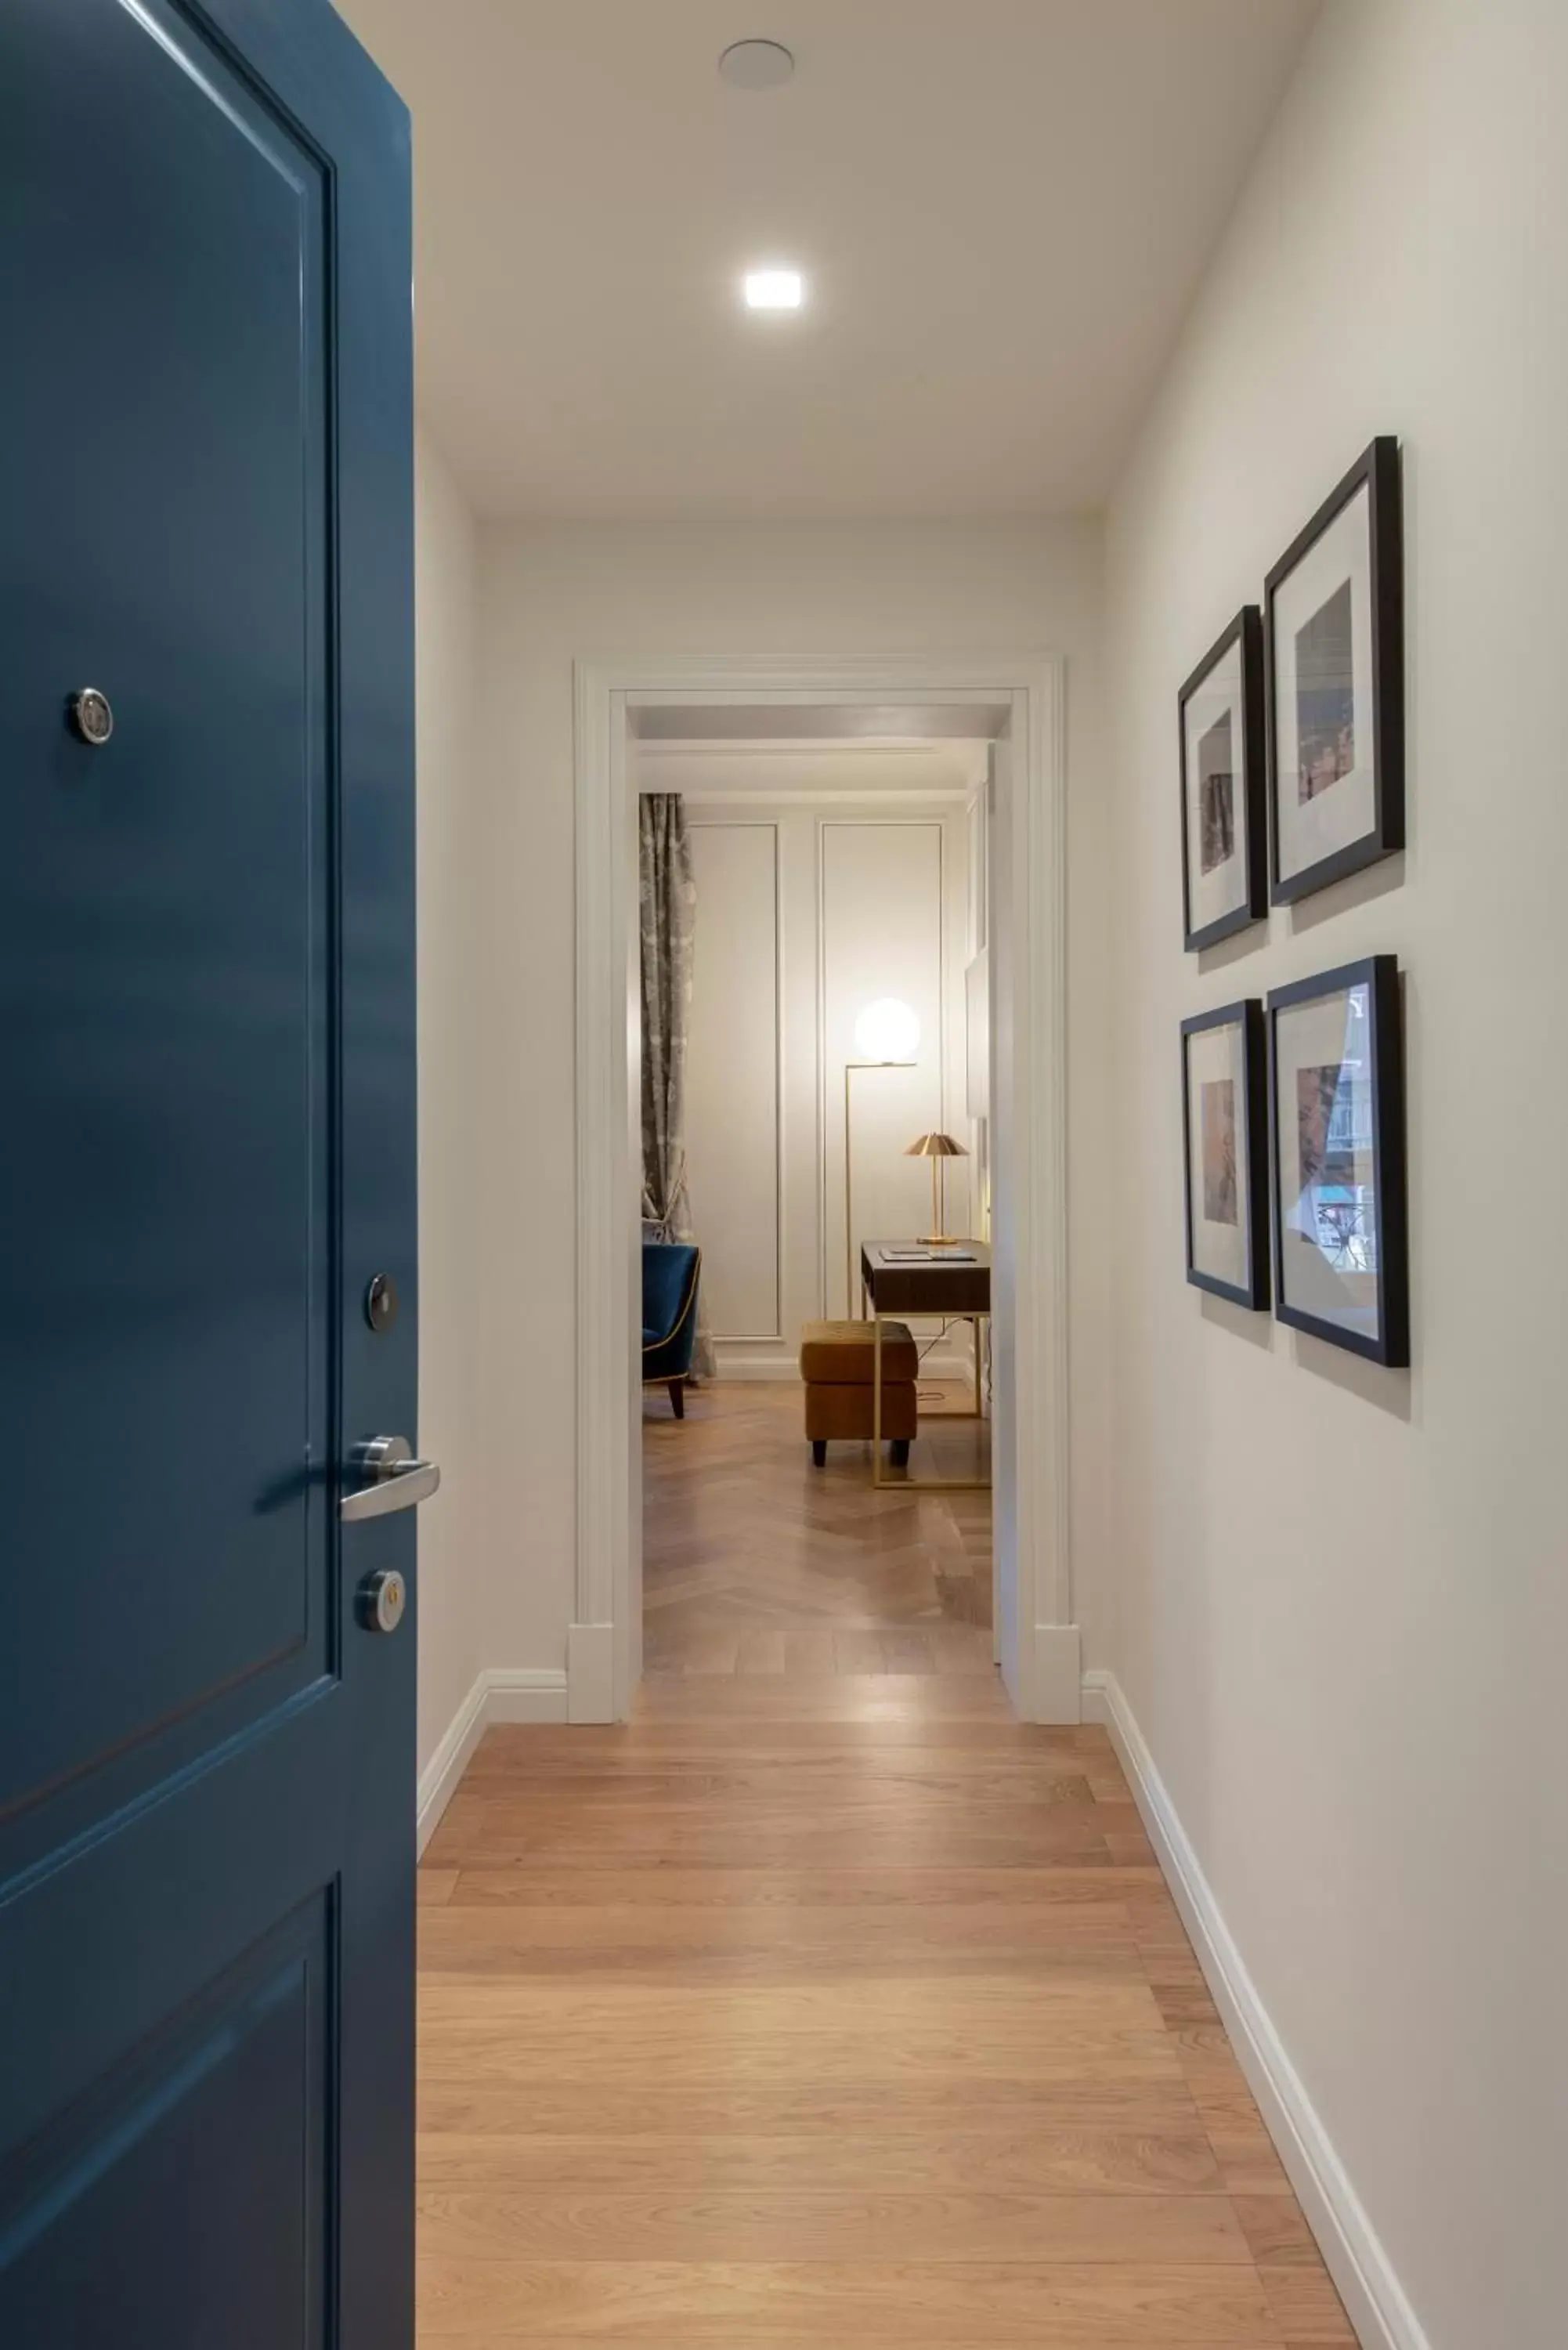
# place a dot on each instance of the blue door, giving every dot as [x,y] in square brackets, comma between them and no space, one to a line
[206,1156]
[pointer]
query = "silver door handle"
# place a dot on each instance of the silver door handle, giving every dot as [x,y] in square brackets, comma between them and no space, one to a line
[394,1480]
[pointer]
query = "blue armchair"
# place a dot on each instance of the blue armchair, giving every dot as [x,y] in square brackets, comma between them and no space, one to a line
[669,1275]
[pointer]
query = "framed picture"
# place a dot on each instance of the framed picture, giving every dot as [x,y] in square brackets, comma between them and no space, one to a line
[1336,1096]
[1224,877]
[1225,1131]
[1334,642]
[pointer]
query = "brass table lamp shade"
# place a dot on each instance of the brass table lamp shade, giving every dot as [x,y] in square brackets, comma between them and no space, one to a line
[936,1147]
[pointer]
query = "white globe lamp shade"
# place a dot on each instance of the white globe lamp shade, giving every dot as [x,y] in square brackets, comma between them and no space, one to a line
[887,1031]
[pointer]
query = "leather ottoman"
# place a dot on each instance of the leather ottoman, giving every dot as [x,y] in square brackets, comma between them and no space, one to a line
[836,1363]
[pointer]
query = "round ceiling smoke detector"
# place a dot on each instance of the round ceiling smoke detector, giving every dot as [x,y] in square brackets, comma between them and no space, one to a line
[756,65]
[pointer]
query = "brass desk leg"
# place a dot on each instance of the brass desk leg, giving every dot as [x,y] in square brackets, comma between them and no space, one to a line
[877,1476]
[906,1481]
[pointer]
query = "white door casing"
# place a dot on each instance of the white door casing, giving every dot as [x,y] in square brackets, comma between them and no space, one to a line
[1027,890]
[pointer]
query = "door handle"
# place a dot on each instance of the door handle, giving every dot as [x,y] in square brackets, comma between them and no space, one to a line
[393,1478]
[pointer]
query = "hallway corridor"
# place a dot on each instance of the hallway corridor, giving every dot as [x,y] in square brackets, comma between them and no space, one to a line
[826,2003]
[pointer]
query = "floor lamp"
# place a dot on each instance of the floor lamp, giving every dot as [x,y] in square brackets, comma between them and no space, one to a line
[888,1034]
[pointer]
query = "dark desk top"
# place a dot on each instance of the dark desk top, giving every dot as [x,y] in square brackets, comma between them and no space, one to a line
[947,1281]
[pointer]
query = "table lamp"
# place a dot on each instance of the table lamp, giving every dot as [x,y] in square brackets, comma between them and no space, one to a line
[936,1147]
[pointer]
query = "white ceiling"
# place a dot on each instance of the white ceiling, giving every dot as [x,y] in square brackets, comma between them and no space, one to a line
[1002,207]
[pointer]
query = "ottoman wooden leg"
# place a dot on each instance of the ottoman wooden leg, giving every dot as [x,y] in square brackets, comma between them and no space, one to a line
[820,1452]
[899,1452]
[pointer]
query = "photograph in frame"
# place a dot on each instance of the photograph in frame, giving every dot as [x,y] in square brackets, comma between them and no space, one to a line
[1224,825]
[1225,1136]
[1333,664]
[1336,1110]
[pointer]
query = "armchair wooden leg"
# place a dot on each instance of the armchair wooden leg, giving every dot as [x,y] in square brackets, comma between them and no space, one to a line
[677,1397]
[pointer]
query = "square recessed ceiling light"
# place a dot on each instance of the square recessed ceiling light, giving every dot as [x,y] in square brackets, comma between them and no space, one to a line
[773,290]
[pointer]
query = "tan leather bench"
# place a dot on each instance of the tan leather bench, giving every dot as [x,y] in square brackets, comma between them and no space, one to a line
[835,1362]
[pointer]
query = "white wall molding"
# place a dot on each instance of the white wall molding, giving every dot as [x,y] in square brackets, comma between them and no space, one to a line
[954,801]
[501,1693]
[727,1042]
[1375,2301]
[857,755]
[1033,1517]
[1039,917]
[590,1672]
[757,1294]
[833,1138]
[1058,1672]
[1096,1700]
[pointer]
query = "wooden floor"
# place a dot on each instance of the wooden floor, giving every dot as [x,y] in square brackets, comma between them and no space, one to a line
[826,2004]
[754,1562]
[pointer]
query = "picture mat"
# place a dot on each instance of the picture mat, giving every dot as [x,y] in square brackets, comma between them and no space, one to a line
[1328,1177]
[1309,830]
[1220,1247]
[1211,895]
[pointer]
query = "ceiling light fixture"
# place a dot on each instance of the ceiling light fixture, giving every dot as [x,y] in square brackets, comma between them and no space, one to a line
[756,65]
[774,289]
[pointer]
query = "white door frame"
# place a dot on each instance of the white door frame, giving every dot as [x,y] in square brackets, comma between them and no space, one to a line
[1040,1642]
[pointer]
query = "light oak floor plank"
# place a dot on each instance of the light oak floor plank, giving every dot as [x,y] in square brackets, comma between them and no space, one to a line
[824,2002]
[1052,2306]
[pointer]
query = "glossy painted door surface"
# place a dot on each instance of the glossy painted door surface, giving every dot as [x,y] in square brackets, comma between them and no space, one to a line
[206,1152]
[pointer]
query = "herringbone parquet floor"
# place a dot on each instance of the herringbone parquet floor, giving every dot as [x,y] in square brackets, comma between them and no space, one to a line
[756,1563]
[824,2003]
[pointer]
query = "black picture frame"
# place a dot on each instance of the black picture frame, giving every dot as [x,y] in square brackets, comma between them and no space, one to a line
[1247,630]
[1378,468]
[1385,1052]
[1253,1166]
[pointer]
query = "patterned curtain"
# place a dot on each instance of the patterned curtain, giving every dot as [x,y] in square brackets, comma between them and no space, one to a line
[668,902]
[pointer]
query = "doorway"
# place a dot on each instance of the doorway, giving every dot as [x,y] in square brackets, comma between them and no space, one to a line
[813,933]
[1015,708]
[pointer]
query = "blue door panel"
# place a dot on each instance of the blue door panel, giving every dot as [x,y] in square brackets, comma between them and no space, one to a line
[150,2174]
[207,1024]
[83,1942]
[166,907]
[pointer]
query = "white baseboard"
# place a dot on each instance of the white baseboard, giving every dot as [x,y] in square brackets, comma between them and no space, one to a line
[1058,1673]
[499,1694]
[1377,2303]
[590,1672]
[1097,1704]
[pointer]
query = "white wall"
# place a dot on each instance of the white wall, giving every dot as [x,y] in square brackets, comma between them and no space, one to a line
[742,1122]
[891,897]
[555,594]
[454,1543]
[807,911]
[1341,1602]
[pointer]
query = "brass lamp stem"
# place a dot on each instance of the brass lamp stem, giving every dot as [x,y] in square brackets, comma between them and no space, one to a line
[851,1295]
[937,1237]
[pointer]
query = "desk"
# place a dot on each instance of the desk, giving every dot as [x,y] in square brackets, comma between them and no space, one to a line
[954,1285]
